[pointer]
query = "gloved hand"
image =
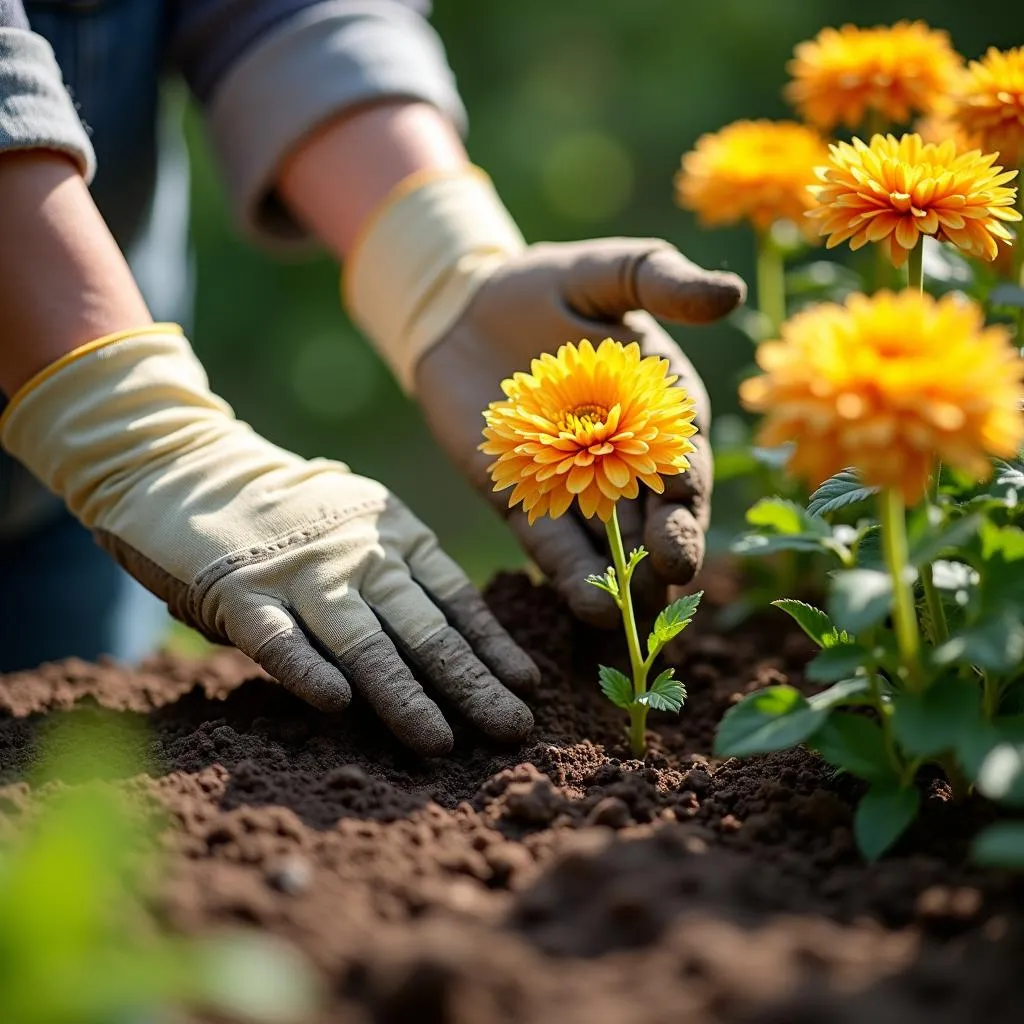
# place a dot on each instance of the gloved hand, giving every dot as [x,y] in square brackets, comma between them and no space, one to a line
[445,286]
[322,576]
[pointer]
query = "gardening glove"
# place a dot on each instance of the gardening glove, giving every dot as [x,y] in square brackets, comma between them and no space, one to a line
[454,300]
[321,576]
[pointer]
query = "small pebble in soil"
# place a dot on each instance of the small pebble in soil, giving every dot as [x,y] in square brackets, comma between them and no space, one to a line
[292,875]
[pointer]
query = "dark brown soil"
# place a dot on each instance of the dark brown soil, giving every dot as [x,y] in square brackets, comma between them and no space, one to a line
[561,882]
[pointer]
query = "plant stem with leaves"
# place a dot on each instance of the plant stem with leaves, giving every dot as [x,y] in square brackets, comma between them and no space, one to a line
[633,694]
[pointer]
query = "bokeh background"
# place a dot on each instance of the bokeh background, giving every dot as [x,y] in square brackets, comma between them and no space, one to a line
[580,110]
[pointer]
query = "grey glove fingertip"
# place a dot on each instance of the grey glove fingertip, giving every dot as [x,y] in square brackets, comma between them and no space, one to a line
[468,613]
[448,661]
[381,676]
[675,288]
[291,660]
[675,541]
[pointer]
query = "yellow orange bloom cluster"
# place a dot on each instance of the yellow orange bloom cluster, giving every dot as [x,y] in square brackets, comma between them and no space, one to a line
[988,105]
[897,190]
[890,384]
[588,424]
[753,170]
[846,75]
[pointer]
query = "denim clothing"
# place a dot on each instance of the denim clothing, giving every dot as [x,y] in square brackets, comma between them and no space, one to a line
[265,73]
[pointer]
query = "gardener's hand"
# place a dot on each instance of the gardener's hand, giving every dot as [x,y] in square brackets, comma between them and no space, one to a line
[537,301]
[443,283]
[321,576]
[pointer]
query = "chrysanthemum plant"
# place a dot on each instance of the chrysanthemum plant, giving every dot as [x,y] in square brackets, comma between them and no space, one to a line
[909,406]
[590,426]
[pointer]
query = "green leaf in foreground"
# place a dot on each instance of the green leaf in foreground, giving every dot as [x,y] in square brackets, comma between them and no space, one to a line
[859,598]
[882,816]
[835,663]
[673,620]
[774,718]
[856,690]
[857,745]
[837,492]
[813,621]
[785,517]
[1001,775]
[1000,845]
[665,693]
[616,686]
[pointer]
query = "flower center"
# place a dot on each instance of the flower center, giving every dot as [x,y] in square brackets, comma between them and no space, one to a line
[583,417]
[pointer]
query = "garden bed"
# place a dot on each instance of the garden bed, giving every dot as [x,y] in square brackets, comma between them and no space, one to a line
[561,881]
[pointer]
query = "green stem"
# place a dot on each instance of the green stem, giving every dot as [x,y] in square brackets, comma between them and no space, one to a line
[936,611]
[989,694]
[771,282]
[637,663]
[893,517]
[885,721]
[915,266]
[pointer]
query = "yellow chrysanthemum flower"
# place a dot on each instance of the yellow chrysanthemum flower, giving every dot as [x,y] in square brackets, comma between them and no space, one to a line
[890,384]
[588,424]
[753,170]
[988,104]
[896,190]
[843,75]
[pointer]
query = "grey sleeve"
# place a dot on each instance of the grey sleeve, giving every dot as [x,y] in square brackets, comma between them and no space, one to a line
[267,72]
[36,111]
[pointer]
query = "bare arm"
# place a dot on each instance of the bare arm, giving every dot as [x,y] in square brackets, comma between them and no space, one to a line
[63,280]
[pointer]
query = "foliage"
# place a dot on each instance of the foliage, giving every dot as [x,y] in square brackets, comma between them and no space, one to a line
[76,945]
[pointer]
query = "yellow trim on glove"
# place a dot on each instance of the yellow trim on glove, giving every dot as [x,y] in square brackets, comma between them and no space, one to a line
[76,353]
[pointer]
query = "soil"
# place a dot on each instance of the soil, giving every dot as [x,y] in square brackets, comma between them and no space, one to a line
[561,881]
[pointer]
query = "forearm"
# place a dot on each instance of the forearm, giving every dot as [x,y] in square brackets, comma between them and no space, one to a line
[335,179]
[63,280]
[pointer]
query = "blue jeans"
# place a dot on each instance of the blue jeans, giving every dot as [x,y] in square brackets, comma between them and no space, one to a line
[60,595]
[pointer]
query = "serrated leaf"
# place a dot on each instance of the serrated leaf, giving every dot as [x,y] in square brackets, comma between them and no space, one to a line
[1000,845]
[929,723]
[857,745]
[882,816]
[835,663]
[846,691]
[837,492]
[813,621]
[859,598]
[666,693]
[774,718]
[673,620]
[616,686]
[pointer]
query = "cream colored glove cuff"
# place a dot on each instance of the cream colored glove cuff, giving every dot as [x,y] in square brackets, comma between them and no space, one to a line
[301,564]
[421,259]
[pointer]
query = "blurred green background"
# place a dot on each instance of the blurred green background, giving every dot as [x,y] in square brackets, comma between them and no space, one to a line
[580,110]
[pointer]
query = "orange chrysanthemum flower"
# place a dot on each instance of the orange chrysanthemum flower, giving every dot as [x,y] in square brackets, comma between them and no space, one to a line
[890,385]
[588,424]
[988,104]
[757,170]
[896,190]
[843,75]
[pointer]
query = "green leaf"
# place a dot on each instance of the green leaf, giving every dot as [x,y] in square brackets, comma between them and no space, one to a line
[837,663]
[673,620]
[774,718]
[814,622]
[978,739]
[785,517]
[882,816]
[605,581]
[666,693]
[934,542]
[636,556]
[847,691]
[857,745]
[995,643]
[1001,776]
[837,492]
[859,598]
[616,686]
[1000,845]
[926,724]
